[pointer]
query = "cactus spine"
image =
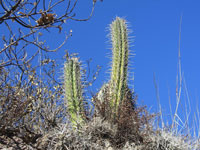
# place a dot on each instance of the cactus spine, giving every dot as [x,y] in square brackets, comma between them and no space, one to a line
[74,90]
[119,68]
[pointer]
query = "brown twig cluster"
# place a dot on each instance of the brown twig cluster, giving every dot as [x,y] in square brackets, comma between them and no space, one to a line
[26,12]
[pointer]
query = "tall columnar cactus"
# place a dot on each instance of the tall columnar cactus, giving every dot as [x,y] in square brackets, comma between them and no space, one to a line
[74,90]
[119,68]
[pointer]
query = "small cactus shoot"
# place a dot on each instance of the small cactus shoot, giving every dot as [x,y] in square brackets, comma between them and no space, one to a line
[74,90]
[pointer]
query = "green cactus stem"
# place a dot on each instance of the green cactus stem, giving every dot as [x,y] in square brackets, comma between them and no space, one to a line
[119,68]
[74,91]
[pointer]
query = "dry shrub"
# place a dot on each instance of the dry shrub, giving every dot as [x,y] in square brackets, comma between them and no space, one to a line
[89,137]
[132,125]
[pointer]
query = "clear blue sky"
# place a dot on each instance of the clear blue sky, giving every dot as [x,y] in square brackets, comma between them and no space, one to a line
[155,25]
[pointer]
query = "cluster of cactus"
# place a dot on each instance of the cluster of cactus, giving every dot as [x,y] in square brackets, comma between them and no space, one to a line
[116,88]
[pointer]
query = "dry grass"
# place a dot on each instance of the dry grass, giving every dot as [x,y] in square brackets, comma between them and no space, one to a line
[134,129]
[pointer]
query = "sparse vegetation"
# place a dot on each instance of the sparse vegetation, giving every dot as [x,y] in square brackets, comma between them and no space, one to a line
[39,113]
